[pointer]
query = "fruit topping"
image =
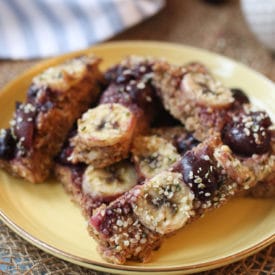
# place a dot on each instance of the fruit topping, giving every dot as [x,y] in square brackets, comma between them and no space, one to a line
[110,181]
[165,203]
[106,125]
[22,126]
[205,90]
[132,88]
[200,173]
[239,96]
[184,143]
[247,133]
[153,154]
[7,144]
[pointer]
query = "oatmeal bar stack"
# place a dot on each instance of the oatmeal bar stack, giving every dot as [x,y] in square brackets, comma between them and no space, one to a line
[127,108]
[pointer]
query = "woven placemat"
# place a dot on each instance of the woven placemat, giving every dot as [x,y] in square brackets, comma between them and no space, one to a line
[220,29]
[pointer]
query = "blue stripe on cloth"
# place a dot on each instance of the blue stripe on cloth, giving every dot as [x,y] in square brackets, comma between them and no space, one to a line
[112,14]
[26,26]
[45,36]
[83,18]
[4,48]
[148,7]
[139,8]
[56,24]
[41,28]
[15,40]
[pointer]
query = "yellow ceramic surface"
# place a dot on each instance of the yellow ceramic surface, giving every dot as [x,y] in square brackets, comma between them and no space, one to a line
[44,215]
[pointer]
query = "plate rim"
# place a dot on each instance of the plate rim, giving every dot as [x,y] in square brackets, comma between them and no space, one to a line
[109,267]
[105,266]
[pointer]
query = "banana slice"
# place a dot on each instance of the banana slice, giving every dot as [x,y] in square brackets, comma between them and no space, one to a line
[110,181]
[165,203]
[106,124]
[104,135]
[205,90]
[153,154]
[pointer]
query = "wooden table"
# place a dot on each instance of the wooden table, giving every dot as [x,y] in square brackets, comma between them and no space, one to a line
[219,28]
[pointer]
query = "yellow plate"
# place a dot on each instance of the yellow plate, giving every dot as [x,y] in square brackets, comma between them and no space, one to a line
[44,215]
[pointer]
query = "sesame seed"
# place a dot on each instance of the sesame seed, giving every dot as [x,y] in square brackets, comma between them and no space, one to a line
[127,72]
[205,157]
[119,223]
[142,69]
[148,98]
[198,179]
[141,85]
[134,241]
[246,131]
[118,210]
[201,185]
[143,241]
[118,248]
[125,224]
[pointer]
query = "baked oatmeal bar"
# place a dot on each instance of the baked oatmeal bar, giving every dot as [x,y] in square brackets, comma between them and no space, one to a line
[55,99]
[192,95]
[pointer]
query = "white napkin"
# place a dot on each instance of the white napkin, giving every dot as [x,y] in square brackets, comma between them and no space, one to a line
[42,28]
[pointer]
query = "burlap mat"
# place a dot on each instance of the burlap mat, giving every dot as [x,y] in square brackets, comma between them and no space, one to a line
[218,28]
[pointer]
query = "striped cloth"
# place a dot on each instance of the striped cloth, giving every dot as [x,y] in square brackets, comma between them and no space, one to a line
[42,28]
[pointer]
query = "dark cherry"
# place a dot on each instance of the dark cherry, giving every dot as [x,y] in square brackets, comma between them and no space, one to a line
[113,72]
[184,143]
[123,75]
[46,106]
[32,93]
[24,122]
[116,94]
[77,173]
[7,145]
[132,88]
[45,100]
[63,156]
[143,97]
[239,96]
[200,173]
[106,223]
[248,134]
[164,118]
[67,149]
[130,96]
[124,78]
